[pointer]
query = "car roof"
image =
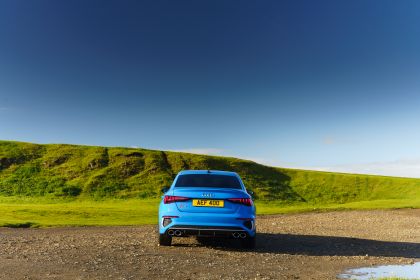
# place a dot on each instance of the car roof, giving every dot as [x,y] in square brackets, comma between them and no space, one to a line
[215,172]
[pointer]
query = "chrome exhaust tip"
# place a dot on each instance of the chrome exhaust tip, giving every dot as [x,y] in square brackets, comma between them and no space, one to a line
[171,232]
[178,232]
[235,234]
[242,235]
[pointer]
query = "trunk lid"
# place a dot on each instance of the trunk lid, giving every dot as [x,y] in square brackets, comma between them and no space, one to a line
[195,193]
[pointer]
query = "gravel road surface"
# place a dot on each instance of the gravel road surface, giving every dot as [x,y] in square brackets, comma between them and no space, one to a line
[297,246]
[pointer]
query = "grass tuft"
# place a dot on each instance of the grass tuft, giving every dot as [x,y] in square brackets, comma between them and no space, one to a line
[20,225]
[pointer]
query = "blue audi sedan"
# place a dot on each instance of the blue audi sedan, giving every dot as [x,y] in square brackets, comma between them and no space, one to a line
[207,203]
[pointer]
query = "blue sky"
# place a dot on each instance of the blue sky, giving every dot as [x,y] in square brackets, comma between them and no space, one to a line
[329,85]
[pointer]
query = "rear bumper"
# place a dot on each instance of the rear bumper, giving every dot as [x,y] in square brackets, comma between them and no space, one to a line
[209,224]
[209,231]
[209,227]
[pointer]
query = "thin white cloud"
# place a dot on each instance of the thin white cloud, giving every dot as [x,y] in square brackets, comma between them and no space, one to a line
[399,168]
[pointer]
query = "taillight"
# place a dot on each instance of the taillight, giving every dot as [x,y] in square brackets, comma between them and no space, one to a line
[171,198]
[244,201]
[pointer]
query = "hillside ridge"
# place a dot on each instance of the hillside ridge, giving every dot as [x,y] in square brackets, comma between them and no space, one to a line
[67,170]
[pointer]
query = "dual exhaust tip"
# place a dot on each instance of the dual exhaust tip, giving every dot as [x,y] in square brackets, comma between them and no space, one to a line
[239,235]
[174,232]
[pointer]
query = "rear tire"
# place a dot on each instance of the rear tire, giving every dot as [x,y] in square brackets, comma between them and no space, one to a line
[165,240]
[249,242]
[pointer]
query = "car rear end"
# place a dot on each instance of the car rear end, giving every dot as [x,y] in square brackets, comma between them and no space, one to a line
[207,204]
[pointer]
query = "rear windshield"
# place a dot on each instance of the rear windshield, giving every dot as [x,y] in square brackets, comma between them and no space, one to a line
[208,180]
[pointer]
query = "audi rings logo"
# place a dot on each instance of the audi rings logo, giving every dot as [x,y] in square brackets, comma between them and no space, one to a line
[207,195]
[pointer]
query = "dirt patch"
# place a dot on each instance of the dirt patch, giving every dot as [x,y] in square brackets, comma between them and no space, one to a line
[298,246]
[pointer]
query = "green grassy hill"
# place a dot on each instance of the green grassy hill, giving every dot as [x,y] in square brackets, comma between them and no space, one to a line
[58,170]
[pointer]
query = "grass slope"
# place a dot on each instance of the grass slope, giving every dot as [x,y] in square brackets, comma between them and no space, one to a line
[58,170]
[46,212]
[71,185]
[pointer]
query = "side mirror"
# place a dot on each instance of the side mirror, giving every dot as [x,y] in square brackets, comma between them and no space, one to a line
[251,193]
[165,189]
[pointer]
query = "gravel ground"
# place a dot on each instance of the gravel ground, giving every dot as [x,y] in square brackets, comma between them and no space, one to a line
[298,246]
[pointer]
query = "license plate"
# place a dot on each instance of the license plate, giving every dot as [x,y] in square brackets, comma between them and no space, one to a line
[208,203]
